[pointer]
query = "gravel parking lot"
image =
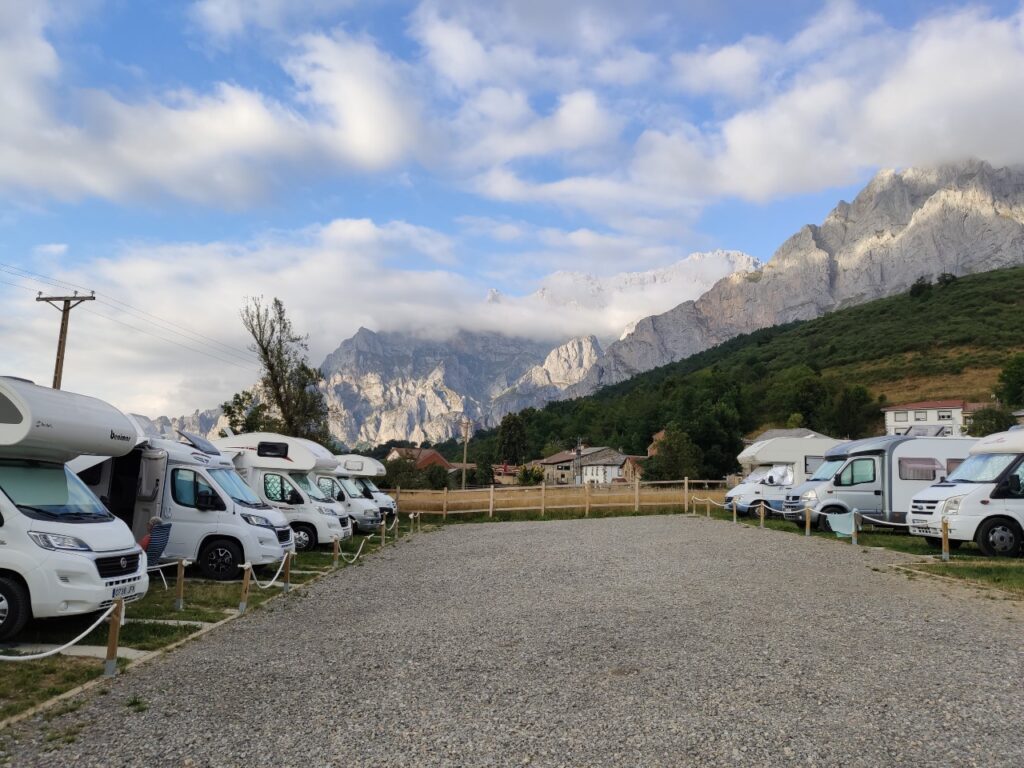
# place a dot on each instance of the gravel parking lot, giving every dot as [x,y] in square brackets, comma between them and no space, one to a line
[642,641]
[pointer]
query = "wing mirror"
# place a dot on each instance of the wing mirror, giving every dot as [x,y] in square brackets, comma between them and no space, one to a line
[1013,482]
[294,497]
[208,501]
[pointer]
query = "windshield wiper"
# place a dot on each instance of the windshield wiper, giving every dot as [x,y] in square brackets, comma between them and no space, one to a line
[40,510]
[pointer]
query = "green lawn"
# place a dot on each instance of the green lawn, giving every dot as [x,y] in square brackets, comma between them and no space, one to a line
[1004,574]
[25,684]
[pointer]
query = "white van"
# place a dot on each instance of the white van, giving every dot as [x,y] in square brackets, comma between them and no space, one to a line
[281,471]
[61,551]
[362,470]
[777,464]
[982,499]
[216,520]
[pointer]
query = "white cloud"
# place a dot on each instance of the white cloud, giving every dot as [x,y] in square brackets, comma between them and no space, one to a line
[627,67]
[225,19]
[50,249]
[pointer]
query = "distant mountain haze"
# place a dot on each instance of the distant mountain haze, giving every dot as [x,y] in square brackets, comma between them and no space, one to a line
[960,219]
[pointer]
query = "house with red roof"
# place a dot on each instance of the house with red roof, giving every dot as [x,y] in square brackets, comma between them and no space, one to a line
[931,417]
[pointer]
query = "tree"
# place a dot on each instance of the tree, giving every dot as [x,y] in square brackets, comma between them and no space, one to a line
[990,420]
[512,439]
[402,473]
[484,471]
[247,414]
[678,457]
[946,279]
[437,477]
[290,383]
[1011,382]
[530,475]
[921,289]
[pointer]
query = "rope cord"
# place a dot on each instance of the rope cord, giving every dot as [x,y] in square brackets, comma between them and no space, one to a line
[44,654]
[270,583]
[356,555]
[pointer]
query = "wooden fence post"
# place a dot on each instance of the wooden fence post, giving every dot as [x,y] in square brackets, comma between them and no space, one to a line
[114,633]
[246,575]
[543,496]
[490,503]
[945,539]
[734,511]
[636,495]
[760,508]
[807,521]
[444,505]
[586,499]
[856,520]
[707,508]
[288,571]
[337,548]
[383,533]
[179,588]
[686,494]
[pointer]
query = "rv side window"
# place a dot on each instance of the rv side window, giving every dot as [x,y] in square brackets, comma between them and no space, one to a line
[327,487]
[274,487]
[186,486]
[811,464]
[857,472]
[919,469]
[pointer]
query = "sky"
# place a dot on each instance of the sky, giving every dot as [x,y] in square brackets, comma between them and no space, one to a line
[386,164]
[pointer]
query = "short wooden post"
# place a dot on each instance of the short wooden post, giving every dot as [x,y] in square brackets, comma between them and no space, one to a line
[686,493]
[383,533]
[398,496]
[398,527]
[945,539]
[179,588]
[543,497]
[636,495]
[734,518]
[246,575]
[288,571]
[113,634]
[856,525]
[490,503]
[707,508]
[444,505]
[586,499]
[337,549]
[761,509]
[807,521]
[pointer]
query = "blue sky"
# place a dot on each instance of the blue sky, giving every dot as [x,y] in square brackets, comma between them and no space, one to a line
[386,163]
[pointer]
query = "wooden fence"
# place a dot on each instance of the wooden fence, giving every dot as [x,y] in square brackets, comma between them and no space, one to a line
[549,498]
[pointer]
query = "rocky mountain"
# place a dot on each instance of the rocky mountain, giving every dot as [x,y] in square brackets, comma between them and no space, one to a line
[902,226]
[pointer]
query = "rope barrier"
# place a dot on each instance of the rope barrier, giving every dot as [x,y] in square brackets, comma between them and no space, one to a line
[270,583]
[393,523]
[43,655]
[885,522]
[356,555]
[711,501]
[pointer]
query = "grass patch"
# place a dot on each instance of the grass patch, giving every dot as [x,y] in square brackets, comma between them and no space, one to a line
[1004,574]
[141,636]
[137,704]
[27,683]
[208,601]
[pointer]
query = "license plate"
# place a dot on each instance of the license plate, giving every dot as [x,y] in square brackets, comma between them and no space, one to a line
[124,591]
[920,522]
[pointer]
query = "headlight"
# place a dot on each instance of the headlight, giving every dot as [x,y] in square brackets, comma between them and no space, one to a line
[58,541]
[952,505]
[811,497]
[262,522]
[327,511]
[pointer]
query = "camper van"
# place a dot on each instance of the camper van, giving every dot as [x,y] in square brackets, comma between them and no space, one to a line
[362,470]
[775,466]
[337,485]
[62,552]
[216,520]
[982,499]
[876,476]
[281,471]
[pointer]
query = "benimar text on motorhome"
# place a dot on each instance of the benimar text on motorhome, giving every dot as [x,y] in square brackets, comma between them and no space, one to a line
[775,466]
[281,470]
[363,470]
[876,476]
[982,500]
[216,520]
[61,551]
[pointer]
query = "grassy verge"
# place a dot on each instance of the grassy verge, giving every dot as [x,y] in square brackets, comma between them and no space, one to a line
[25,684]
[1004,574]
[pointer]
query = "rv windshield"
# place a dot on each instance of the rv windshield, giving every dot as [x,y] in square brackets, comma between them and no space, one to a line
[370,486]
[353,490]
[235,487]
[982,468]
[313,491]
[827,469]
[49,492]
[757,475]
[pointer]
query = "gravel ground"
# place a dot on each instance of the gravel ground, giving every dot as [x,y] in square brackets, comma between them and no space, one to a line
[641,641]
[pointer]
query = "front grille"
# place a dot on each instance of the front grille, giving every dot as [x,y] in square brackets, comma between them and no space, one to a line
[284,535]
[119,565]
[923,507]
[792,503]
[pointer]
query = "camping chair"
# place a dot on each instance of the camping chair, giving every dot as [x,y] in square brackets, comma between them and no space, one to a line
[158,537]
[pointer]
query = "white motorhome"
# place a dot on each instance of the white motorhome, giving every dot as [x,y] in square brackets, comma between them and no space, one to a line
[876,476]
[62,552]
[281,471]
[216,520]
[363,470]
[777,465]
[982,499]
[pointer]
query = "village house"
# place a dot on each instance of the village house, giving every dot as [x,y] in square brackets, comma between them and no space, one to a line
[420,457]
[930,417]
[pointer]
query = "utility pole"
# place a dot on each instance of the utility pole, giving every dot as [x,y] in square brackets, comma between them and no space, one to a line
[67,303]
[465,448]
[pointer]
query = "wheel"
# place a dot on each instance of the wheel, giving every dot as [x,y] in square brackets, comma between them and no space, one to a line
[823,522]
[305,537]
[220,559]
[15,607]
[999,537]
[936,543]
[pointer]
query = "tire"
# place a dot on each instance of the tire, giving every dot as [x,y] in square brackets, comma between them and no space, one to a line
[823,525]
[220,559]
[1000,537]
[936,543]
[15,607]
[305,537]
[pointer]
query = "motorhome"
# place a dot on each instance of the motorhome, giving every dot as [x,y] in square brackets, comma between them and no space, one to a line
[876,476]
[216,520]
[776,466]
[62,553]
[281,471]
[363,470]
[982,499]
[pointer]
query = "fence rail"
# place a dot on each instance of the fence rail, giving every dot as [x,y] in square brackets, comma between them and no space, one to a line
[550,498]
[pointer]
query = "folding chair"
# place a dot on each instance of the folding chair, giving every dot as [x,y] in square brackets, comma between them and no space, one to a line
[158,538]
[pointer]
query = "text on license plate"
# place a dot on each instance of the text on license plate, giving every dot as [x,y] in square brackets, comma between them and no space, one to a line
[123,591]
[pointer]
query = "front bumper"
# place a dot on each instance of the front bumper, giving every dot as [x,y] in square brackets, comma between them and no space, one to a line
[68,584]
[961,527]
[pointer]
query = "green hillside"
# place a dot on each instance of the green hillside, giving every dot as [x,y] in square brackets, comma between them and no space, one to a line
[831,374]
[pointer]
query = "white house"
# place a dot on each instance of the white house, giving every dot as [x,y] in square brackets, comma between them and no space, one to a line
[930,417]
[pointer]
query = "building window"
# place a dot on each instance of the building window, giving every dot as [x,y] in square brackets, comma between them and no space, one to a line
[899,416]
[920,415]
[945,415]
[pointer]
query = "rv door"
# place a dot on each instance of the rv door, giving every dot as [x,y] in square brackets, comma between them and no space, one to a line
[152,469]
[859,485]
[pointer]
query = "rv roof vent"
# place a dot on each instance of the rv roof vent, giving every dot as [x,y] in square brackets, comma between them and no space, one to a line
[272,450]
[200,443]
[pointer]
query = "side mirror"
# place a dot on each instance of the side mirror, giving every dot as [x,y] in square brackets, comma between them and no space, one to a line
[208,501]
[1014,483]
[340,496]
[770,480]
[294,497]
